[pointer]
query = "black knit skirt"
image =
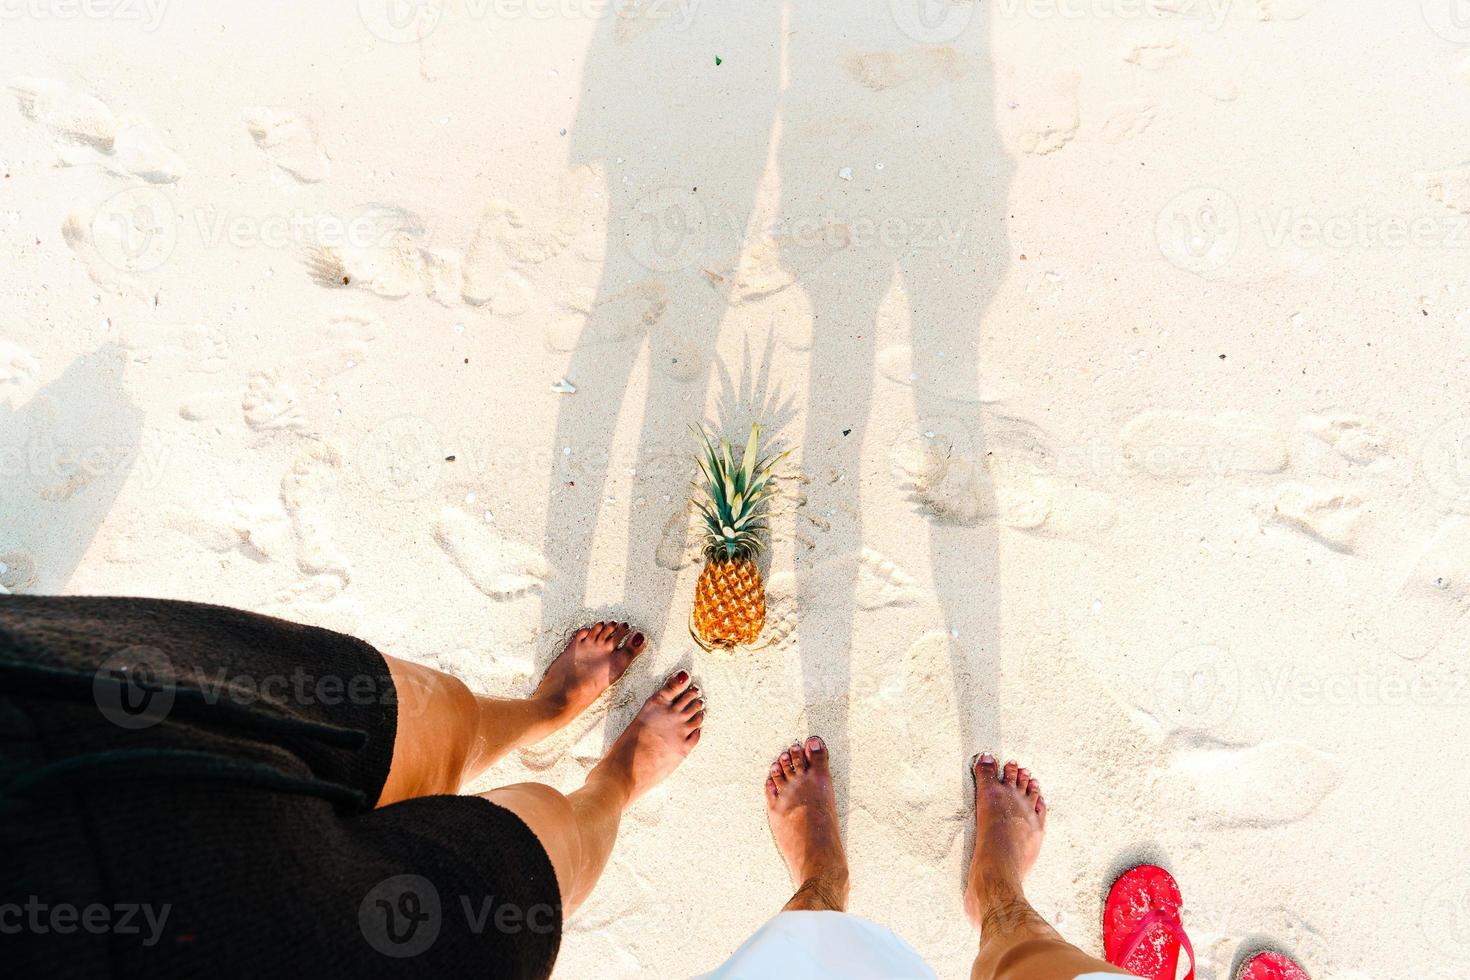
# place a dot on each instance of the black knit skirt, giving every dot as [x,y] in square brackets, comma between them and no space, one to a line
[189,790]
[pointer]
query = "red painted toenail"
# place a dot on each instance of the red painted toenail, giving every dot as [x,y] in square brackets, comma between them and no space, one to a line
[681,677]
[637,639]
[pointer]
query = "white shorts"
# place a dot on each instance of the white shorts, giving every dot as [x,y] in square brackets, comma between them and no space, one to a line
[802,945]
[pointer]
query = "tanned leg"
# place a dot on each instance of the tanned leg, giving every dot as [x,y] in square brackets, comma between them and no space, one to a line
[447,735]
[578,830]
[1015,942]
[802,807]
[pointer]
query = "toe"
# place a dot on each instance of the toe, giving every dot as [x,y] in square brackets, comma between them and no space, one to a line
[786,764]
[771,791]
[1041,810]
[985,767]
[618,631]
[1033,790]
[1023,780]
[636,644]
[798,757]
[694,707]
[777,773]
[816,753]
[584,633]
[674,686]
[696,721]
[1011,770]
[692,739]
[683,701]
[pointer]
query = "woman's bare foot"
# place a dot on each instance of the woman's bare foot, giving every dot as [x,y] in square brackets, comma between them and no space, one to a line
[594,658]
[1010,818]
[664,732]
[802,807]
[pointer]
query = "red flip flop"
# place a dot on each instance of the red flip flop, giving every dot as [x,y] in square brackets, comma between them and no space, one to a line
[1270,966]
[1141,928]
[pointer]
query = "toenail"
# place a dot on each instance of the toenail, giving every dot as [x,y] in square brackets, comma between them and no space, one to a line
[637,639]
[681,677]
[986,759]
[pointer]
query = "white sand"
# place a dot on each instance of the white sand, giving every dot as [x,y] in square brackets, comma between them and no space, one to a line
[1123,355]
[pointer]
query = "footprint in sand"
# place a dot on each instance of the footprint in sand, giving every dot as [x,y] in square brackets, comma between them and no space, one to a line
[1041,115]
[129,233]
[1015,482]
[306,490]
[500,568]
[1353,437]
[1171,445]
[270,404]
[883,70]
[381,251]
[1265,785]
[289,140]
[1155,54]
[917,699]
[1127,120]
[17,366]
[67,112]
[89,133]
[783,613]
[1433,597]
[623,316]
[17,572]
[1329,517]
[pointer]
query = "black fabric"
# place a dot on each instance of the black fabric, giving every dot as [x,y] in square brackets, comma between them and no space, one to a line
[188,790]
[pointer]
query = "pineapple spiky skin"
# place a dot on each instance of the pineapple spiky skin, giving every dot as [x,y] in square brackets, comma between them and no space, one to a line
[730,599]
[729,603]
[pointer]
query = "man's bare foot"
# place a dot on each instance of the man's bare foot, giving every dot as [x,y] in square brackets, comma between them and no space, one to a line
[664,732]
[1010,818]
[802,807]
[594,658]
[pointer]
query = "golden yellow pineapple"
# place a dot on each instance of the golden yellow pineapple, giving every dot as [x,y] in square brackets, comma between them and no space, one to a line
[730,599]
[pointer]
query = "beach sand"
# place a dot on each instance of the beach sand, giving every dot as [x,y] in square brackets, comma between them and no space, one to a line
[1120,348]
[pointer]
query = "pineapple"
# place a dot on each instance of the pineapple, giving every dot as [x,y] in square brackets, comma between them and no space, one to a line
[730,599]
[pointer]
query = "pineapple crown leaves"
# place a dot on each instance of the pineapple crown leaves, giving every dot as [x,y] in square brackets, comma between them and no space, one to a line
[732,498]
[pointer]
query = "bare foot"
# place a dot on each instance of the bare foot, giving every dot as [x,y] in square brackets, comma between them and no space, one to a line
[802,807]
[664,732]
[594,658]
[1010,818]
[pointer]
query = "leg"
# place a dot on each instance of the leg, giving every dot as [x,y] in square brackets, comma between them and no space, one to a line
[802,807]
[1015,942]
[447,735]
[578,831]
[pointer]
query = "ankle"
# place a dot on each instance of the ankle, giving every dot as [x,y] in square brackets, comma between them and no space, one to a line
[825,891]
